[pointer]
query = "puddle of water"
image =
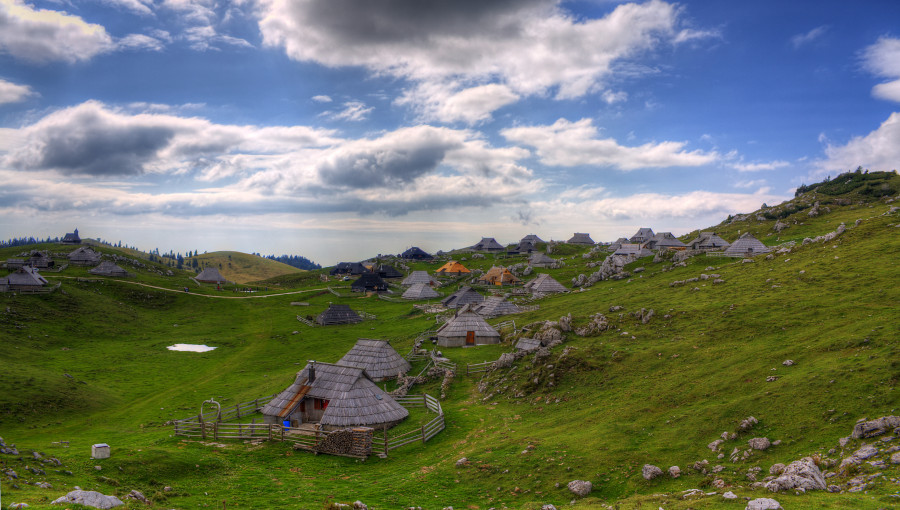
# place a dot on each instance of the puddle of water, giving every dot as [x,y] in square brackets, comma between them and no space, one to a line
[190,347]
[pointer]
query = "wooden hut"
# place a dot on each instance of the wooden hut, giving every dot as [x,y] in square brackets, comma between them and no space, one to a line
[25,278]
[379,359]
[210,275]
[522,247]
[39,260]
[708,241]
[545,284]
[83,256]
[369,282]
[15,263]
[335,397]
[580,238]
[643,235]
[348,268]
[495,306]
[746,246]
[419,277]
[464,296]
[452,268]
[533,239]
[71,238]
[539,259]
[633,249]
[499,275]
[386,271]
[420,291]
[467,328]
[664,241]
[338,314]
[415,253]
[529,344]
[617,244]
[107,268]
[487,244]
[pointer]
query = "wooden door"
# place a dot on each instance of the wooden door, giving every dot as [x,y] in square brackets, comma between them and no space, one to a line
[470,338]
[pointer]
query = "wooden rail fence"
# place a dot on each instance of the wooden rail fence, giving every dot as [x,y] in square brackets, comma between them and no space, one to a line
[306,321]
[477,368]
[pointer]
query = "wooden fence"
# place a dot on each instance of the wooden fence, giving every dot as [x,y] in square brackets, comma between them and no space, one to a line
[477,368]
[47,289]
[306,321]
[386,442]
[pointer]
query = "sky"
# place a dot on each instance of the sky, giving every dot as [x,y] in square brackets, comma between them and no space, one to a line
[342,129]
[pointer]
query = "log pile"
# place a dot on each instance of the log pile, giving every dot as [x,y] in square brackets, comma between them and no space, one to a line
[356,442]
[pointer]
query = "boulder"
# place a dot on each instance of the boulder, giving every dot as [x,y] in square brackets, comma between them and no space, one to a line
[759,443]
[715,444]
[580,488]
[874,428]
[674,471]
[747,424]
[763,504]
[137,496]
[800,474]
[89,498]
[359,505]
[650,471]
[729,495]
[462,462]
[776,469]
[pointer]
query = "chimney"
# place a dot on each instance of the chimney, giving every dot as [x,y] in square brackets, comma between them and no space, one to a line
[312,371]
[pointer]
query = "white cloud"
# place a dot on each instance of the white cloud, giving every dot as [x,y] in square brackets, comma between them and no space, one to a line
[805,38]
[138,6]
[205,37]
[140,42]
[446,103]
[883,59]
[14,93]
[354,111]
[41,35]
[527,46]
[322,99]
[567,143]
[687,35]
[878,150]
[759,167]
[614,97]
[750,183]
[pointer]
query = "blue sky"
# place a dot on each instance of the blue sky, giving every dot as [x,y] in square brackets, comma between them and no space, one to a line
[342,129]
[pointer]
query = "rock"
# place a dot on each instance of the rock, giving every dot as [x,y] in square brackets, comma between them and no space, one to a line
[779,226]
[772,378]
[167,489]
[875,427]
[759,443]
[675,471]
[462,462]
[89,498]
[729,495]
[800,474]
[867,451]
[895,458]
[43,485]
[763,504]
[615,308]
[137,496]
[359,505]
[776,469]
[548,506]
[842,442]
[17,506]
[718,280]
[715,444]
[565,322]
[718,483]
[788,362]
[650,471]
[580,488]
[747,261]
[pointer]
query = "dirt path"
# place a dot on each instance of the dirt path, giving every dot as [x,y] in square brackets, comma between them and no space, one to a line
[181,291]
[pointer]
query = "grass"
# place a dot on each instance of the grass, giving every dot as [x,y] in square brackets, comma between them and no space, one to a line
[657,394]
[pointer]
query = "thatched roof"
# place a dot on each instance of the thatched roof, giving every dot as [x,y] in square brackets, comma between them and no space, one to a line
[380,360]
[338,314]
[419,277]
[84,255]
[545,284]
[351,268]
[354,400]
[464,296]
[664,240]
[495,306]
[580,238]
[420,291]
[415,253]
[529,344]
[210,275]
[746,245]
[369,282]
[107,268]
[487,244]
[452,267]
[499,275]
[455,331]
[386,271]
[540,259]
[643,234]
[708,241]
[26,277]
[633,249]
[533,239]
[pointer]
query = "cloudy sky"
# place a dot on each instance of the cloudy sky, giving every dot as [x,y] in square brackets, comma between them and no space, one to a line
[340,129]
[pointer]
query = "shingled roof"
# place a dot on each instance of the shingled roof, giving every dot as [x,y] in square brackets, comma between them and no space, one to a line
[84,256]
[708,241]
[369,282]
[210,275]
[107,268]
[539,259]
[386,271]
[487,244]
[464,296]
[746,245]
[495,306]
[453,267]
[533,239]
[545,284]
[420,291]
[499,275]
[380,360]
[338,314]
[633,249]
[643,235]
[580,238]
[351,268]
[455,332]
[415,253]
[664,240]
[354,400]
[25,278]
[419,277]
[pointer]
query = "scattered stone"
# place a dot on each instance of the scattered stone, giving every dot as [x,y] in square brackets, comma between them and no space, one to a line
[580,488]
[675,471]
[43,485]
[359,505]
[462,462]
[137,496]
[895,458]
[772,378]
[763,504]
[650,471]
[89,498]
[759,443]
[788,362]
[776,469]
[842,442]
[715,444]
[718,469]
[800,474]
[875,427]
[729,495]
[718,483]
[17,506]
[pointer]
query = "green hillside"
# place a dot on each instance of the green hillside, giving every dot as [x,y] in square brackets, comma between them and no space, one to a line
[88,364]
[242,267]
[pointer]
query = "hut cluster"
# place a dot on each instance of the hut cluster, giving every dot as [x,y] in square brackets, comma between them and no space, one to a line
[645,242]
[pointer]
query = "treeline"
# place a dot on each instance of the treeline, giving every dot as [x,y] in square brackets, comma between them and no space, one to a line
[873,184]
[22,241]
[295,261]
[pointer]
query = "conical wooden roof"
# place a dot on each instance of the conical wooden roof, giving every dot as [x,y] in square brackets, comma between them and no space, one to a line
[420,291]
[496,306]
[538,258]
[499,275]
[708,241]
[746,245]
[210,275]
[370,282]
[380,360]
[84,255]
[545,284]
[464,322]
[453,267]
[338,314]
[580,238]
[487,244]
[107,268]
[354,400]
[464,296]
[419,277]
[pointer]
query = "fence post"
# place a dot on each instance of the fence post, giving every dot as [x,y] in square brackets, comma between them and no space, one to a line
[424,401]
[423,434]
[282,432]
[237,409]
[270,431]
[202,426]
[385,440]
[256,403]
[216,431]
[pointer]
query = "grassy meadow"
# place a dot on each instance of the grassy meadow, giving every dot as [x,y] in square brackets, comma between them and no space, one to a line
[88,364]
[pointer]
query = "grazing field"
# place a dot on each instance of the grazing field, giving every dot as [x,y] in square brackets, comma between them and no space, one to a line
[88,364]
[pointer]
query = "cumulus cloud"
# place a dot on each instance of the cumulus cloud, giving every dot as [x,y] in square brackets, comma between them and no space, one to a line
[614,97]
[14,93]
[806,38]
[566,143]
[883,59]
[322,99]
[137,6]
[878,150]
[140,42]
[353,111]
[447,103]
[41,35]
[759,167]
[527,46]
